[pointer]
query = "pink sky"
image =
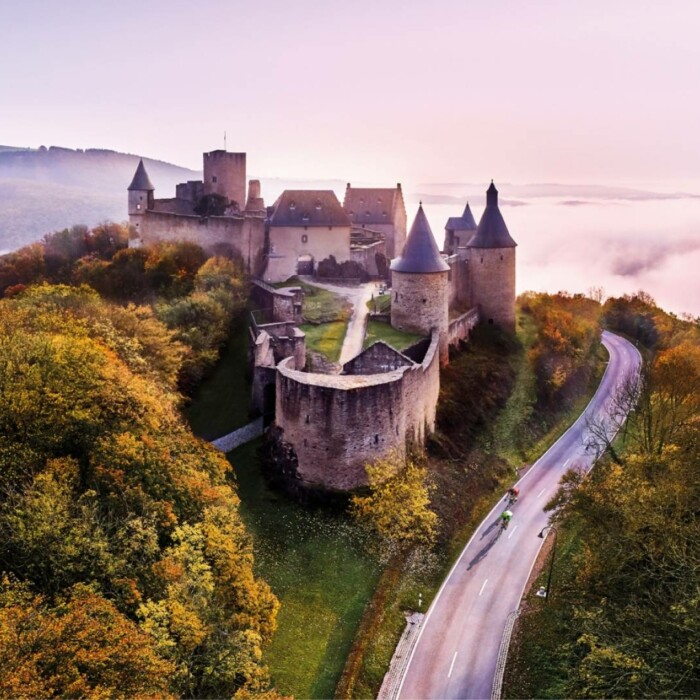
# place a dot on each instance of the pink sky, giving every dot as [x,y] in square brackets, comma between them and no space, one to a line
[366,91]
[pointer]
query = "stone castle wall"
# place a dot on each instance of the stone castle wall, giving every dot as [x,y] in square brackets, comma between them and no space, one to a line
[492,276]
[336,424]
[238,235]
[461,327]
[367,256]
[289,243]
[284,304]
[459,289]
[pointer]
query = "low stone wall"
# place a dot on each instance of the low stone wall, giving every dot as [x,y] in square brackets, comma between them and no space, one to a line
[459,329]
[285,303]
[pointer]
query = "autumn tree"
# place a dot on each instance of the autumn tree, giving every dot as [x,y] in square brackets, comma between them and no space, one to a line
[101,484]
[397,509]
[81,646]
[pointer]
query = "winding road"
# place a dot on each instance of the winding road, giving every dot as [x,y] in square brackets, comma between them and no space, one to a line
[456,652]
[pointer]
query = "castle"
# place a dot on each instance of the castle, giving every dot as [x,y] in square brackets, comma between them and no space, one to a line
[300,230]
[328,424]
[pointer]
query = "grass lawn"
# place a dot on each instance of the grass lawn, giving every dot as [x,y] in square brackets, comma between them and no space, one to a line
[378,330]
[222,402]
[320,305]
[316,564]
[381,303]
[326,338]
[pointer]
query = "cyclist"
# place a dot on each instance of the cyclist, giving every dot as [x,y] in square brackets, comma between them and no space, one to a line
[505,519]
[512,495]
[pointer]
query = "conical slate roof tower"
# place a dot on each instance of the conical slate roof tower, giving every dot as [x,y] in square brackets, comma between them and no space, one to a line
[141,180]
[492,231]
[420,286]
[491,258]
[420,252]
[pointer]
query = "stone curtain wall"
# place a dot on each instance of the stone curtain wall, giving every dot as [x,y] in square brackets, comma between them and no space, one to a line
[338,423]
[460,328]
[244,236]
[492,273]
[366,256]
[459,292]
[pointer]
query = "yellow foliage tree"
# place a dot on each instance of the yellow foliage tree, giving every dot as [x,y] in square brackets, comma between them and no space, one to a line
[398,506]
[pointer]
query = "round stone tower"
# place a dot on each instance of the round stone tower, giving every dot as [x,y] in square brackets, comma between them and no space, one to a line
[419,279]
[140,197]
[491,255]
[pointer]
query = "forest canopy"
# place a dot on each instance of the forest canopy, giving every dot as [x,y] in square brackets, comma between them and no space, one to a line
[120,538]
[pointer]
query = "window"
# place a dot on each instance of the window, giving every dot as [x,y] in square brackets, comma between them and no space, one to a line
[376,439]
[304,238]
[396,298]
[482,260]
[213,179]
[138,206]
[501,257]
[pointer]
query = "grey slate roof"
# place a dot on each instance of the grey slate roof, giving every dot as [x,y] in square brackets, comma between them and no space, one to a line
[492,231]
[308,208]
[462,223]
[371,205]
[420,252]
[380,356]
[141,180]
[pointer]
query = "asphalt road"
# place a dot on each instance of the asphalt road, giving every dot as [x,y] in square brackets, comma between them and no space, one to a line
[457,649]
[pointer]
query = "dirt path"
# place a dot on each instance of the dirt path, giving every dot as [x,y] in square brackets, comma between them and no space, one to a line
[358,296]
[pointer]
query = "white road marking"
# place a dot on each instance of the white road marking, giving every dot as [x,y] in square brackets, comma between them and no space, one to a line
[452,665]
[567,461]
[515,527]
[483,585]
[540,493]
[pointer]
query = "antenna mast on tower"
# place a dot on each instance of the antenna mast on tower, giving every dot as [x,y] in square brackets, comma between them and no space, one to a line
[224,140]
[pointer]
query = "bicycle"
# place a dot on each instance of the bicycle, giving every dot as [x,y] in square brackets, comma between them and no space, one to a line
[502,527]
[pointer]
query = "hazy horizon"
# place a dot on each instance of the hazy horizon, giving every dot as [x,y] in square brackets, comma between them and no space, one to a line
[395,91]
[441,97]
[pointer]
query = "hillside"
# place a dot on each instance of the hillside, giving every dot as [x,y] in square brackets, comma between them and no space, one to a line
[47,189]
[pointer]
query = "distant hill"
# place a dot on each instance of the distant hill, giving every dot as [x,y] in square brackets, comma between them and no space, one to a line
[47,189]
